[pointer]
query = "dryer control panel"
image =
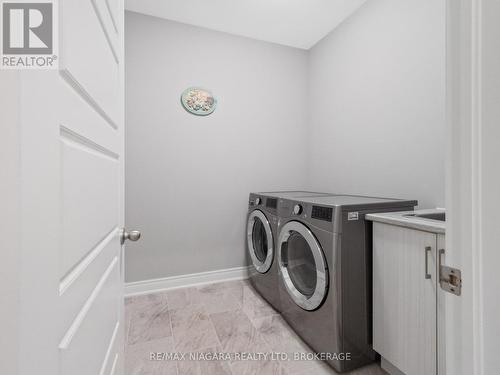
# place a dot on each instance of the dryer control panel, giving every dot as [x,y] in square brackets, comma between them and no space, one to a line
[322,213]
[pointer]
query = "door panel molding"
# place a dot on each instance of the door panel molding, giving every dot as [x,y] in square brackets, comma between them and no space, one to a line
[80,90]
[75,138]
[107,24]
[114,365]
[81,267]
[77,293]
[79,117]
[111,353]
[89,203]
[80,317]
[84,347]
[112,10]
[88,61]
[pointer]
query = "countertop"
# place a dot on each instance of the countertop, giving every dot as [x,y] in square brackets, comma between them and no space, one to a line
[413,222]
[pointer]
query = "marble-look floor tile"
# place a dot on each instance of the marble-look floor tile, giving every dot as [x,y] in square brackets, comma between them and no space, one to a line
[138,358]
[281,338]
[236,287]
[322,368]
[147,325]
[146,302]
[127,317]
[229,317]
[204,366]
[254,305]
[183,298]
[142,303]
[309,368]
[192,329]
[219,297]
[236,333]
[279,335]
[267,367]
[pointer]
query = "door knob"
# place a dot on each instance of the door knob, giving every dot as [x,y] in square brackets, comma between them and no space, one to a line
[133,235]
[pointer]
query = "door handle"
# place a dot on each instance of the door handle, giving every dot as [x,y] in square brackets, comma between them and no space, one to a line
[133,235]
[428,249]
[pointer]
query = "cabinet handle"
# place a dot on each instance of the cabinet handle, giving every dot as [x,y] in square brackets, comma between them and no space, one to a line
[428,249]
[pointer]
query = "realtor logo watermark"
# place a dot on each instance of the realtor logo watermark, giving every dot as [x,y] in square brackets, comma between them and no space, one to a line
[29,34]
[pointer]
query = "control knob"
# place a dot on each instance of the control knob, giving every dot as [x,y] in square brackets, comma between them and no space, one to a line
[297,209]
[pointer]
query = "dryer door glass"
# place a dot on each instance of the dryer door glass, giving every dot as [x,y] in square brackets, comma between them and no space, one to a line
[260,241]
[302,265]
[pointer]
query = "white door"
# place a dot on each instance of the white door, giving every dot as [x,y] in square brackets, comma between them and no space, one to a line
[473,186]
[66,130]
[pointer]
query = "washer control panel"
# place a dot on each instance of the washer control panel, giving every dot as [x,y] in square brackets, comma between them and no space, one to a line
[272,203]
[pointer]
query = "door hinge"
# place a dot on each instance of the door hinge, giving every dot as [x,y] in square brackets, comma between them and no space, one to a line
[450,279]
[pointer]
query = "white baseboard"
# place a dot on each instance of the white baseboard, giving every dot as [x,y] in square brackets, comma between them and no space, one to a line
[182,281]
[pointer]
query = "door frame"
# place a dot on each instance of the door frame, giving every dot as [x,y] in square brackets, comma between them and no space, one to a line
[466,324]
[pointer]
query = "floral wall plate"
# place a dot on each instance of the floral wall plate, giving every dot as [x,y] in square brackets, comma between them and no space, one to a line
[198,101]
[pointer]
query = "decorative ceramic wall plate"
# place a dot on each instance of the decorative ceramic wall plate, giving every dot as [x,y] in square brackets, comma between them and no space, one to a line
[198,101]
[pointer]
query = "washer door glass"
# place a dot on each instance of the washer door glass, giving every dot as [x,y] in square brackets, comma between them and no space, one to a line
[260,241]
[303,266]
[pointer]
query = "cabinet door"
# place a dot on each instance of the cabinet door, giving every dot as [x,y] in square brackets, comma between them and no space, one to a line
[404,298]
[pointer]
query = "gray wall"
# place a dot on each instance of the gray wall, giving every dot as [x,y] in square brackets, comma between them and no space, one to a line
[362,112]
[188,177]
[377,110]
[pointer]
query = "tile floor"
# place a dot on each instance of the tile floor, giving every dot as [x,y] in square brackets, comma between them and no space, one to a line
[226,317]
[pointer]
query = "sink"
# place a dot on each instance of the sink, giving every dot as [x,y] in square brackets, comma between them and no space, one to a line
[439,216]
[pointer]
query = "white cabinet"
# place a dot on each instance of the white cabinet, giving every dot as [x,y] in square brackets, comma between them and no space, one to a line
[405,297]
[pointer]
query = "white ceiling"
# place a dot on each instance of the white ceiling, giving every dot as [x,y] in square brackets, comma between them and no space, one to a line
[295,23]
